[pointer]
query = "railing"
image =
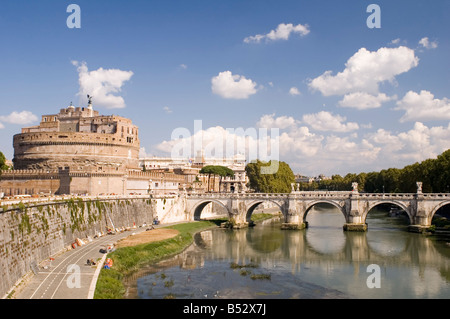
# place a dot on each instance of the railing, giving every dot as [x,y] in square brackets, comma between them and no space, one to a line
[323,194]
[241,195]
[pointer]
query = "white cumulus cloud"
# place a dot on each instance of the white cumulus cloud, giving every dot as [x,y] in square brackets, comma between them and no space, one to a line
[230,86]
[311,151]
[423,106]
[365,70]
[417,144]
[363,100]
[281,122]
[427,44]
[24,117]
[325,121]
[282,32]
[216,142]
[294,91]
[102,84]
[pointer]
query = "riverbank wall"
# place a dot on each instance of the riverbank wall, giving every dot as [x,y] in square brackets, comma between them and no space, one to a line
[33,232]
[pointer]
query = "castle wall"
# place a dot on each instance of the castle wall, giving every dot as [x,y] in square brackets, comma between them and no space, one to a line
[78,151]
[40,182]
[98,185]
[31,235]
[29,187]
[31,182]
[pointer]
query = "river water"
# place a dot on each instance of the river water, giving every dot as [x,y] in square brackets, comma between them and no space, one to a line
[321,261]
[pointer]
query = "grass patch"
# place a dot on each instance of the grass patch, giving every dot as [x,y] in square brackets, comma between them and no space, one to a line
[168,283]
[127,260]
[245,272]
[262,216]
[260,276]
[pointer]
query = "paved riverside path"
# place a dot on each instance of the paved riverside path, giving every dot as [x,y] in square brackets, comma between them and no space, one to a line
[60,281]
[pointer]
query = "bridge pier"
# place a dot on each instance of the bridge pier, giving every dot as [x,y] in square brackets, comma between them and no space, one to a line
[293,225]
[420,223]
[294,215]
[238,213]
[355,227]
[418,228]
[354,217]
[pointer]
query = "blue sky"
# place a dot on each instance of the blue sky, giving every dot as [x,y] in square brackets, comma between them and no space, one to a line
[368,98]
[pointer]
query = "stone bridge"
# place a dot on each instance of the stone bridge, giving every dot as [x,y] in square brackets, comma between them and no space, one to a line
[420,207]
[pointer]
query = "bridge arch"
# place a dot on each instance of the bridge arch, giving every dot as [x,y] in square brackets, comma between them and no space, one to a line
[438,206]
[196,211]
[252,205]
[323,201]
[402,205]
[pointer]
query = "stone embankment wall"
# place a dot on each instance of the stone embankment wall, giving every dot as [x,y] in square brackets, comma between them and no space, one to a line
[31,233]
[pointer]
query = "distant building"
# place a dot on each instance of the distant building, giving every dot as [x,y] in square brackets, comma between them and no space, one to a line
[303,179]
[321,177]
[306,179]
[190,168]
[155,162]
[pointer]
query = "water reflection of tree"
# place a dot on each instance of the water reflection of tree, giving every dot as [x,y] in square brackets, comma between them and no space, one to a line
[264,242]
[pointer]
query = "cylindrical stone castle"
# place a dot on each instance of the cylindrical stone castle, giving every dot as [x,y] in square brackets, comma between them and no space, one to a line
[78,139]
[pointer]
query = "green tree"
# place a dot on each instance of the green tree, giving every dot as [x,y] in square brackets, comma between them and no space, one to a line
[219,170]
[3,165]
[279,182]
[433,173]
[441,176]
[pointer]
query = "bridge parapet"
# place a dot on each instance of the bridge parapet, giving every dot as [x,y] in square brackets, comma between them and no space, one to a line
[321,194]
[369,196]
[436,195]
[237,195]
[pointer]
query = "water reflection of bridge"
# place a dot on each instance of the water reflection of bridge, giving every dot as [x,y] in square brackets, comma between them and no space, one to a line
[355,248]
[413,265]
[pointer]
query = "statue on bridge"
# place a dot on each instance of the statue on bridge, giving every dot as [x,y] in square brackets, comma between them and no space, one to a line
[419,187]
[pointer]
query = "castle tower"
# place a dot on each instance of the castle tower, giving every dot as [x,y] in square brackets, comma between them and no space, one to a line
[80,139]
